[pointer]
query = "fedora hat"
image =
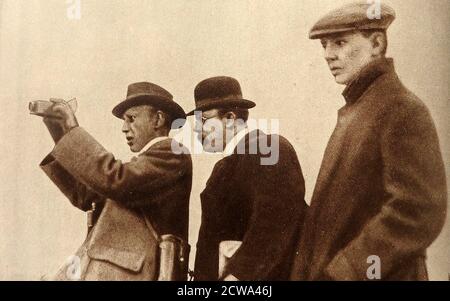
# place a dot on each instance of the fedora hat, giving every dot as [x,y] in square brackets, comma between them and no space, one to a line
[219,92]
[145,93]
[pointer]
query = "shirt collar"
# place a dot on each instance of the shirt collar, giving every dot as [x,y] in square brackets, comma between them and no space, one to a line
[366,78]
[233,143]
[153,142]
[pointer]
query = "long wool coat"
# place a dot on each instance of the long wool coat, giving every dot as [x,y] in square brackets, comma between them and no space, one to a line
[381,190]
[156,184]
[261,205]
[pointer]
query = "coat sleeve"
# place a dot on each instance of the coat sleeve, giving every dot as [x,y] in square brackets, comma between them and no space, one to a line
[277,193]
[127,183]
[414,213]
[79,195]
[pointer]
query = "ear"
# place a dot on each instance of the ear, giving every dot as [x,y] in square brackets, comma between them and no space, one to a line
[230,115]
[161,119]
[230,119]
[379,44]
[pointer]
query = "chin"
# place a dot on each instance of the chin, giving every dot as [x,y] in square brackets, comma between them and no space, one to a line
[341,80]
[209,150]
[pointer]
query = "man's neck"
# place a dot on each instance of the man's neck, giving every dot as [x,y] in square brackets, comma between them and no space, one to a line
[152,142]
[239,133]
[366,77]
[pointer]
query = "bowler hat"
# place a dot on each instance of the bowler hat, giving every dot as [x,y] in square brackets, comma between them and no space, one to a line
[145,93]
[219,92]
[359,15]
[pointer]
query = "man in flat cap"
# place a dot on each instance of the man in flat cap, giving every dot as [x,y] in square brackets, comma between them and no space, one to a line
[137,204]
[380,197]
[252,208]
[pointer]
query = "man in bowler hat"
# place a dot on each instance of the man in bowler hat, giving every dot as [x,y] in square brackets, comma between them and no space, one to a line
[136,202]
[380,197]
[251,210]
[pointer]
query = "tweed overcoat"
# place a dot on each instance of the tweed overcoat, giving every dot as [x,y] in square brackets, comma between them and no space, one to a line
[122,245]
[381,191]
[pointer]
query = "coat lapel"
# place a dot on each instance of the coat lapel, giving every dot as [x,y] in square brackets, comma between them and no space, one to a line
[332,155]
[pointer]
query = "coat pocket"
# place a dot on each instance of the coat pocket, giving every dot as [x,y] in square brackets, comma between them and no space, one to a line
[127,260]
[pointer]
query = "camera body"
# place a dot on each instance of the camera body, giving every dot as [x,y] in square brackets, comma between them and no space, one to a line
[43,108]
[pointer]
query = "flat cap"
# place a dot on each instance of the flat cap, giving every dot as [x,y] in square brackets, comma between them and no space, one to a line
[360,15]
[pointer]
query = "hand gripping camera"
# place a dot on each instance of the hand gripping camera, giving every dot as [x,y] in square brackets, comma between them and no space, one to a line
[43,108]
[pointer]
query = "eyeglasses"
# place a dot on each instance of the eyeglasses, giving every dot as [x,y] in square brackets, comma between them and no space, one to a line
[204,119]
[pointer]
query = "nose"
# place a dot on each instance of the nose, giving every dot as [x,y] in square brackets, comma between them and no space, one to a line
[125,127]
[329,53]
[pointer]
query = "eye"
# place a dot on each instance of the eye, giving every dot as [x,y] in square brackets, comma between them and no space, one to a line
[130,118]
[340,43]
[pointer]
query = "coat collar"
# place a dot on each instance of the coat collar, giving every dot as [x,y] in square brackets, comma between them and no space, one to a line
[151,143]
[233,143]
[366,78]
[238,139]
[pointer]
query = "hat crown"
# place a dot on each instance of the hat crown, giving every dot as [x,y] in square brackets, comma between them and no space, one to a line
[146,93]
[218,87]
[146,88]
[357,15]
[219,92]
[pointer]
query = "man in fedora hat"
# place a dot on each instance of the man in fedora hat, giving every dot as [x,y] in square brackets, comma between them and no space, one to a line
[380,198]
[136,203]
[251,209]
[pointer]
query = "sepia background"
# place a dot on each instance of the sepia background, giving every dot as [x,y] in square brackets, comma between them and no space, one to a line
[47,51]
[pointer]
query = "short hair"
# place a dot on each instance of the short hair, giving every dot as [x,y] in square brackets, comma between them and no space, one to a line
[367,33]
[167,117]
[240,113]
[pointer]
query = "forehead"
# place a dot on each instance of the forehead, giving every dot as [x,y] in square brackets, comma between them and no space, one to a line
[210,113]
[348,35]
[136,110]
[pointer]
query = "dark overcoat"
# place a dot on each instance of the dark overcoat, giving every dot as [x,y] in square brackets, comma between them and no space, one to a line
[261,205]
[155,185]
[381,190]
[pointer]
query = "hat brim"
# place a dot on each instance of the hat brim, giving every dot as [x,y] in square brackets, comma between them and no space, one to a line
[318,33]
[224,104]
[167,105]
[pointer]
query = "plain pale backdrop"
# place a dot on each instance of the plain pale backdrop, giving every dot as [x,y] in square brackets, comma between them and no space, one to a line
[177,43]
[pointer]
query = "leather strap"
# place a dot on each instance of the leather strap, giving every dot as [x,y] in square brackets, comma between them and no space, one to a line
[150,226]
